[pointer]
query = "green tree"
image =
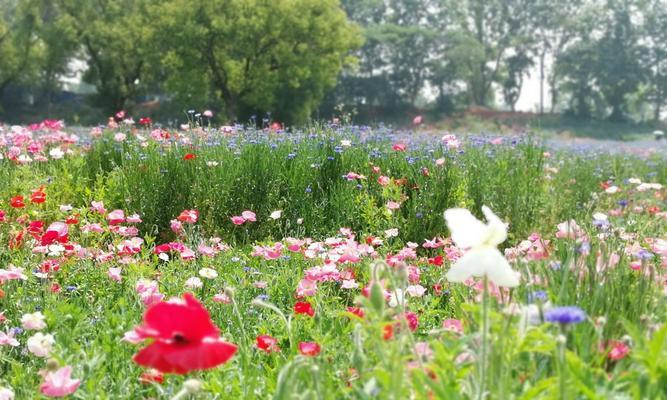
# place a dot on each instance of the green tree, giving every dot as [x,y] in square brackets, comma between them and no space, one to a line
[21,48]
[619,69]
[115,40]
[255,56]
[655,37]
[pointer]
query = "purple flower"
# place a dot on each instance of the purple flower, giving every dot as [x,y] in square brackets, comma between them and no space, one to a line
[565,315]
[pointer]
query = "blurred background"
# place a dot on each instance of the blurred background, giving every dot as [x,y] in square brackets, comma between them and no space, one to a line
[595,67]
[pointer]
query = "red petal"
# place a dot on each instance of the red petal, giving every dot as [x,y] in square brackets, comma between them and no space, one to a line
[179,359]
[190,320]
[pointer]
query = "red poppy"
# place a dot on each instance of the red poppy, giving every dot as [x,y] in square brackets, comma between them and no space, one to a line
[17,202]
[437,260]
[304,307]
[72,220]
[38,196]
[55,288]
[388,332]
[356,311]
[267,343]
[35,228]
[145,121]
[151,376]
[57,231]
[188,216]
[189,156]
[310,349]
[184,338]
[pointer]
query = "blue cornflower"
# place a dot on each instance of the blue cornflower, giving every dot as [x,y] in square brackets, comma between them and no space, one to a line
[565,315]
[538,295]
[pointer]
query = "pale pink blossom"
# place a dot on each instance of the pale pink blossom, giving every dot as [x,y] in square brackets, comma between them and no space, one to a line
[59,383]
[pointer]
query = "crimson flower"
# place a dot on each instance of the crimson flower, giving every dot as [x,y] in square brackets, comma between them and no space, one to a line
[304,307]
[145,121]
[356,311]
[57,231]
[17,202]
[267,343]
[189,156]
[3,215]
[184,338]
[38,196]
[437,260]
[310,349]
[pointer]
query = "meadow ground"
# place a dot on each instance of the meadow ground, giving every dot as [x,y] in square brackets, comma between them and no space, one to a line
[325,261]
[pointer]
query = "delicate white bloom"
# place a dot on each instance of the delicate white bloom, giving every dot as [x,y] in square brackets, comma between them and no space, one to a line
[208,273]
[276,214]
[396,298]
[6,393]
[194,283]
[346,143]
[390,233]
[483,257]
[33,322]
[612,189]
[40,344]
[56,153]
[635,181]
[598,216]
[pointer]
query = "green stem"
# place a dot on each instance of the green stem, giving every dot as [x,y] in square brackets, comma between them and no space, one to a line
[485,328]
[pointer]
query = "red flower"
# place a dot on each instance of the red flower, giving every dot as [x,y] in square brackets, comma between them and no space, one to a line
[2,216]
[57,231]
[304,307]
[399,147]
[388,332]
[35,228]
[17,202]
[151,376]
[356,311]
[267,343]
[185,338]
[72,220]
[189,216]
[412,320]
[38,196]
[55,288]
[276,126]
[189,156]
[437,260]
[145,121]
[310,349]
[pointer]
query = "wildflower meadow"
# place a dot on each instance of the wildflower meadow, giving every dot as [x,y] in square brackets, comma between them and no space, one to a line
[328,262]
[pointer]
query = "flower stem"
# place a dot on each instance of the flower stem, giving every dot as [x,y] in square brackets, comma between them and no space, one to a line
[485,329]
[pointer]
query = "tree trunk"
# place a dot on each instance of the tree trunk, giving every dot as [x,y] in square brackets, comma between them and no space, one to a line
[542,56]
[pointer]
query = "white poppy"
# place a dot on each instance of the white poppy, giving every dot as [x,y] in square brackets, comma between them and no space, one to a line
[483,257]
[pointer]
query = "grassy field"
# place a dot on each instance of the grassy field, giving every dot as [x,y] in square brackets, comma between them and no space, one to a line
[332,241]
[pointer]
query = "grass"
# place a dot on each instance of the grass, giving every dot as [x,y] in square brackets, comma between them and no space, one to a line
[531,187]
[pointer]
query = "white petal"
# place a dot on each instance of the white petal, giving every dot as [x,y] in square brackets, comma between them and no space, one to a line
[497,231]
[467,231]
[484,261]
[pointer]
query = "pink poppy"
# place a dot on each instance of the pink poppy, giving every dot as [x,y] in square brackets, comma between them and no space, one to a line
[59,383]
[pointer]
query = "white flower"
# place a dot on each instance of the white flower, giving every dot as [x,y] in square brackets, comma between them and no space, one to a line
[208,273]
[635,181]
[598,216]
[483,257]
[56,153]
[34,321]
[194,283]
[346,143]
[396,298]
[276,214]
[6,393]
[390,233]
[40,344]
[612,189]
[415,290]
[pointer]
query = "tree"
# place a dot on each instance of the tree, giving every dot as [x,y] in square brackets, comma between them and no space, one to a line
[115,39]
[256,55]
[655,37]
[619,71]
[21,49]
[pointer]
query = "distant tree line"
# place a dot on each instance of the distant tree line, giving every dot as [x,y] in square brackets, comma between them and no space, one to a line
[300,58]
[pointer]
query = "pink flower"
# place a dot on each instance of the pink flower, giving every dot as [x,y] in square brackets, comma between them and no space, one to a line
[176,226]
[114,274]
[116,217]
[399,147]
[98,207]
[383,180]
[7,339]
[452,325]
[133,219]
[59,383]
[417,120]
[392,205]
[306,287]
[238,220]
[249,216]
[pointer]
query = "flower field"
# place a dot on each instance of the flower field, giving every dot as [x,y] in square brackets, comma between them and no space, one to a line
[329,262]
